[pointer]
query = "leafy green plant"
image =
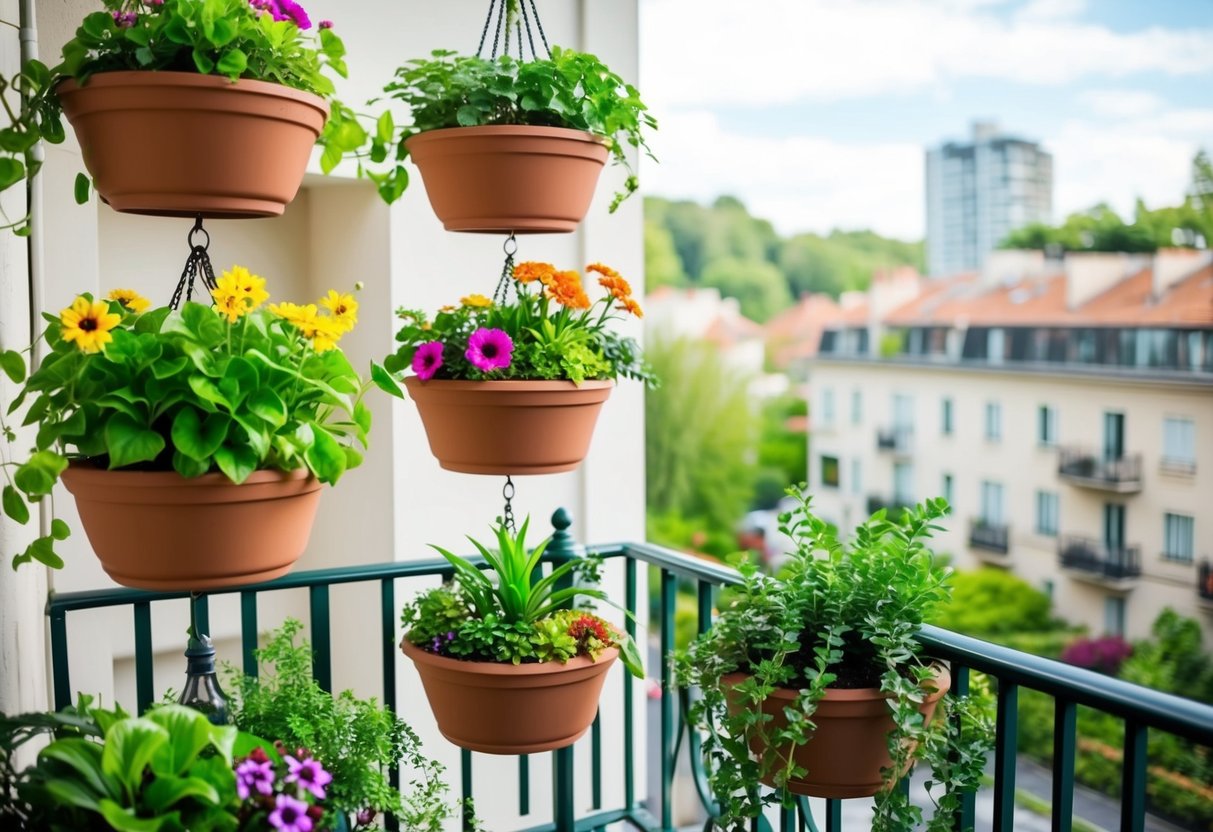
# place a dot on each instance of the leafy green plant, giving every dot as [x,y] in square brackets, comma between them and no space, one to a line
[233,388]
[360,740]
[551,330]
[265,40]
[169,770]
[570,89]
[835,616]
[508,613]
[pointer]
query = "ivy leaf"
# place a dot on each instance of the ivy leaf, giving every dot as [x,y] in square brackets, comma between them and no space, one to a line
[325,456]
[37,475]
[60,530]
[14,506]
[237,462]
[233,62]
[197,438]
[385,382]
[130,441]
[13,364]
[82,186]
[268,405]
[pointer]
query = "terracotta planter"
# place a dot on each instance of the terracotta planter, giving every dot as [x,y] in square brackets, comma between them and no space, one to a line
[179,144]
[511,709]
[509,178]
[850,745]
[508,427]
[159,530]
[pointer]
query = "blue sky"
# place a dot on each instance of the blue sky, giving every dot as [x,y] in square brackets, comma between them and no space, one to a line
[817,112]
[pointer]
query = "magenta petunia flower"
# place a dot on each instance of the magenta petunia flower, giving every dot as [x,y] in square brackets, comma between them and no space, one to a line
[489,349]
[290,815]
[309,774]
[125,20]
[325,24]
[427,360]
[252,775]
[284,10]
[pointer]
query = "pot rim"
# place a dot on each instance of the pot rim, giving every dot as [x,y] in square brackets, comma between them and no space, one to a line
[420,656]
[84,470]
[173,78]
[941,684]
[520,130]
[509,384]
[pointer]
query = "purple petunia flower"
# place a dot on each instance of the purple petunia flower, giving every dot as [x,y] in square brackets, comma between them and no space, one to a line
[254,776]
[309,774]
[125,20]
[290,815]
[427,359]
[284,10]
[489,349]
[326,24]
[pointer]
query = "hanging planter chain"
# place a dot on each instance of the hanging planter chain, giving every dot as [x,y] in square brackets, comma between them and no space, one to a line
[507,514]
[512,13]
[501,294]
[197,267]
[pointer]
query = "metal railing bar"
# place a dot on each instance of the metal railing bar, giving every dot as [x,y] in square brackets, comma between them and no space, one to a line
[596,762]
[322,637]
[1133,778]
[248,632]
[465,784]
[564,812]
[965,818]
[145,689]
[833,815]
[202,612]
[1064,744]
[524,784]
[1006,741]
[629,720]
[59,663]
[669,590]
[387,626]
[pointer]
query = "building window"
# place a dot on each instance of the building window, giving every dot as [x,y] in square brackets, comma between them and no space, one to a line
[1177,536]
[1114,616]
[856,407]
[1179,441]
[996,345]
[949,490]
[993,421]
[1048,510]
[1047,586]
[903,413]
[827,406]
[829,471]
[991,503]
[856,476]
[903,483]
[945,417]
[1046,426]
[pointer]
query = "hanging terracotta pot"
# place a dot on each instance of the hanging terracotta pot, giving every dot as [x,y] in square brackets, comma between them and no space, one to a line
[505,179]
[180,144]
[502,708]
[160,530]
[508,427]
[850,746]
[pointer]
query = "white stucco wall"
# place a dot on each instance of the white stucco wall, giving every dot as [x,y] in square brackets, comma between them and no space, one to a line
[335,233]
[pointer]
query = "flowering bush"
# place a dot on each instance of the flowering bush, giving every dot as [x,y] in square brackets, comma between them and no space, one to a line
[552,330]
[280,790]
[235,387]
[514,618]
[1105,654]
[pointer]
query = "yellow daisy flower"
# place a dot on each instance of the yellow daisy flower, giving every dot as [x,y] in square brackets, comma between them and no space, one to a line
[326,332]
[343,307]
[243,282]
[302,317]
[479,301]
[88,323]
[130,299]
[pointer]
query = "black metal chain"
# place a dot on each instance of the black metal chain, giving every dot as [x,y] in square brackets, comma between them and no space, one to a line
[505,13]
[197,267]
[501,294]
[507,514]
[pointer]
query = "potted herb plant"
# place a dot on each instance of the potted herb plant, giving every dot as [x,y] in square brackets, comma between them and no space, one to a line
[515,386]
[167,770]
[506,145]
[506,641]
[226,418]
[197,107]
[361,740]
[813,682]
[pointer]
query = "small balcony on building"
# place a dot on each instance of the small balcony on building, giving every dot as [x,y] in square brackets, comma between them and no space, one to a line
[1091,470]
[990,541]
[1177,466]
[1204,585]
[895,440]
[1089,560]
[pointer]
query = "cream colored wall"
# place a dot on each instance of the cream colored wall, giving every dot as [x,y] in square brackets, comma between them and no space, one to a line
[335,233]
[1022,467]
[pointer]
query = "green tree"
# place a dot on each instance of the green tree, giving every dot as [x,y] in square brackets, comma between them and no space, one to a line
[700,436]
[988,602]
[758,285]
[782,452]
[662,265]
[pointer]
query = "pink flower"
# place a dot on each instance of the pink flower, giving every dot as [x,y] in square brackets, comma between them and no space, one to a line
[284,10]
[290,815]
[489,349]
[309,774]
[125,20]
[325,24]
[427,360]
[252,775]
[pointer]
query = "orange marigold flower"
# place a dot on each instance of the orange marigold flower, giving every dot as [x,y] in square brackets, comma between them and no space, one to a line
[602,269]
[630,305]
[590,625]
[565,288]
[531,271]
[616,286]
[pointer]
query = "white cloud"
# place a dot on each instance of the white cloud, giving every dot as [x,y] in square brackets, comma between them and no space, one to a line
[1122,103]
[714,52]
[803,183]
[1052,9]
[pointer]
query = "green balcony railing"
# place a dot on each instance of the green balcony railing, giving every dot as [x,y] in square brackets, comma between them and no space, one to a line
[1141,709]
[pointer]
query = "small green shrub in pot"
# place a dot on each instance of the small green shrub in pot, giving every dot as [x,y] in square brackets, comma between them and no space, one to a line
[838,617]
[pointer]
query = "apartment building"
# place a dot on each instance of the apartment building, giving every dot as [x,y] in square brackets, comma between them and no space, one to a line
[1064,409]
[981,190]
